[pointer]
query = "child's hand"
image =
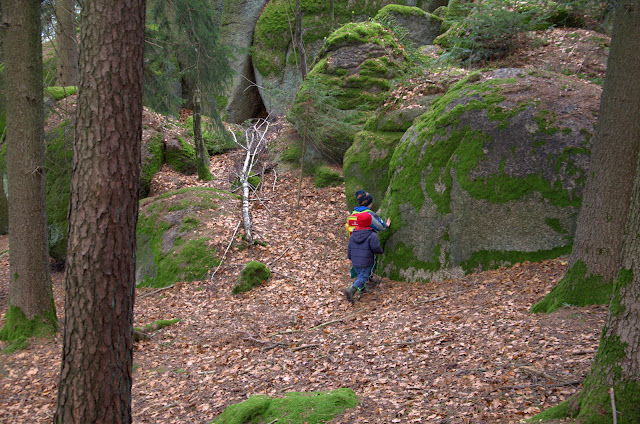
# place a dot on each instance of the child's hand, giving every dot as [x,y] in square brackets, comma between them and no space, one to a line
[388,222]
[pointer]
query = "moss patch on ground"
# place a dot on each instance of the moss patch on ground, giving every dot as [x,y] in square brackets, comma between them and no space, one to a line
[294,408]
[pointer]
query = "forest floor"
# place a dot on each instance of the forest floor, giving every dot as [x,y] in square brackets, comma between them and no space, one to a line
[459,351]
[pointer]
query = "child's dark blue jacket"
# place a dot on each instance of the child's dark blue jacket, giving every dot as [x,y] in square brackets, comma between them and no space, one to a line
[363,245]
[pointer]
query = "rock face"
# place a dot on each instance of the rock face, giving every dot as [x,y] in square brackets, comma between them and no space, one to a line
[422,27]
[239,19]
[173,241]
[349,82]
[490,175]
[276,66]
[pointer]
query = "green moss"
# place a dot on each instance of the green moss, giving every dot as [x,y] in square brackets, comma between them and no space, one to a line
[576,288]
[493,259]
[556,225]
[189,258]
[149,169]
[403,254]
[327,177]
[397,9]
[59,93]
[18,328]
[253,275]
[183,160]
[158,325]
[291,154]
[294,408]
[254,180]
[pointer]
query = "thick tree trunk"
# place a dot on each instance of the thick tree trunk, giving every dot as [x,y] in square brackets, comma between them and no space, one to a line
[30,284]
[95,376]
[595,259]
[66,43]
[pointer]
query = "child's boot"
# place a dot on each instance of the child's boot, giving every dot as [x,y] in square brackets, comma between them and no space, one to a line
[348,293]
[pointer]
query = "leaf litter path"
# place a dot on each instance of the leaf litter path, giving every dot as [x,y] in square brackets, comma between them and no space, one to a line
[460,351]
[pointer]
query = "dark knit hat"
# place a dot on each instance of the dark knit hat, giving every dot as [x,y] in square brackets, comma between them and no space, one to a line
[363,198]
[364,220]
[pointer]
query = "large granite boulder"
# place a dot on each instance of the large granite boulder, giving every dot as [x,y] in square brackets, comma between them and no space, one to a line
[421,27]
[239,19]
[351,79]
[276,66]
[490,175]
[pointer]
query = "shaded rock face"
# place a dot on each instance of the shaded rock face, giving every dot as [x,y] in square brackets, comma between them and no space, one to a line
[422,28]
[349,82]
[492,174]
[236,30]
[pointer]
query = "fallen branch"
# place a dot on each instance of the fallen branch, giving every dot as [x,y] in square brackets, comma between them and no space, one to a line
[413,342]
[282,254]
[441,297]
[324,324]
[225,252]
[307,346]
[613,406]
[156,291]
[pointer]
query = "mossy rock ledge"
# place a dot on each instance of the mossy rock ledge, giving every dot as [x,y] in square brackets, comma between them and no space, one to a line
[346,86]
[174,243]
[275,65]
[490,175]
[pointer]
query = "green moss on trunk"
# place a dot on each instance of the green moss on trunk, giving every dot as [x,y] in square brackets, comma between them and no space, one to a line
[18,328]
[576,288]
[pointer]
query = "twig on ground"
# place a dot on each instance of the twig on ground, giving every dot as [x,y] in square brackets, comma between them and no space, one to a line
[441,297]
[318,264]
[282,254]
[412,342]
[324,324]
[156,291]
[307,346]
[285,275]
[225,252]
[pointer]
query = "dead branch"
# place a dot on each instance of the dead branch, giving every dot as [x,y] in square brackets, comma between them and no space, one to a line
[441,297]
[307,346]
[225,252]
[156,291]
[282,254]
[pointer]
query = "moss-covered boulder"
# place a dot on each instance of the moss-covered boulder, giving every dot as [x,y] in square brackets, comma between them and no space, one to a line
[180,154]
[293,408]
[274,61]
[366,163]
[152,158]
[252,275]
[349,82]
[490,175]
[421,27]
[173,241]
[325,176]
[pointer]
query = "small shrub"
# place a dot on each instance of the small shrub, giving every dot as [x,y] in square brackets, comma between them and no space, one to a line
[253,275]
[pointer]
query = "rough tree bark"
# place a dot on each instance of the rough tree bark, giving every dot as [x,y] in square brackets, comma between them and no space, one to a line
[66,43]
[96,368]
[595,258]
[616,367]
[30,295]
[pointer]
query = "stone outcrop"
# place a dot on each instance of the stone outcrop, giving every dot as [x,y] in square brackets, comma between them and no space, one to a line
[490,175]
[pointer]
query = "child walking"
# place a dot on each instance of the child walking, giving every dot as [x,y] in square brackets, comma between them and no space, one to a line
[364,244]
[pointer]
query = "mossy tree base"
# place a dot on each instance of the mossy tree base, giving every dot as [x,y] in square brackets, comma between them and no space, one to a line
[576,289]
[18,328]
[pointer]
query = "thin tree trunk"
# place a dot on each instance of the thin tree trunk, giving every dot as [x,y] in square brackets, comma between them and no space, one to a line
[95,377]
[30,283]
[66,43]
[202,156]
[298,41]
[246,216]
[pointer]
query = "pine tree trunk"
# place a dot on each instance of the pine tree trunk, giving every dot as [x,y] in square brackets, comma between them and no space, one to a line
[595,258]
[30,283]
[66,43]
[95,377]
[602,217]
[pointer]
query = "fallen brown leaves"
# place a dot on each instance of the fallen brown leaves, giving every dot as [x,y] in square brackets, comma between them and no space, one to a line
[454,352]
